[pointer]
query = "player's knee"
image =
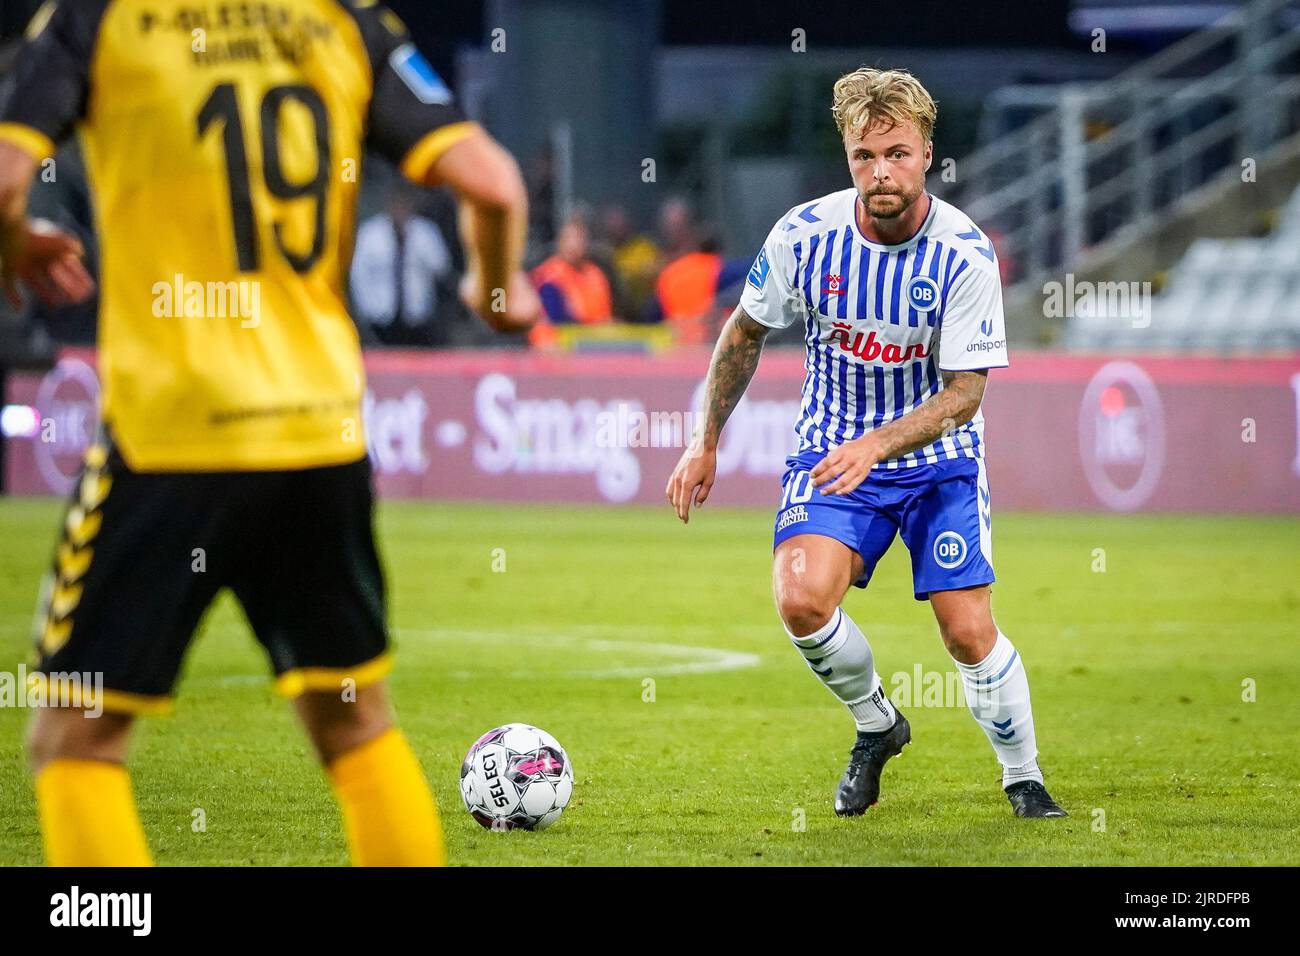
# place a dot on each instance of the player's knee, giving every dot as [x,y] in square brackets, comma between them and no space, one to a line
[337,725]
[804,609]
[968,638]
[56,733]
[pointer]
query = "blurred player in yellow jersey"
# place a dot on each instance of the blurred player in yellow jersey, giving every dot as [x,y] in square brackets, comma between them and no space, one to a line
[224,144]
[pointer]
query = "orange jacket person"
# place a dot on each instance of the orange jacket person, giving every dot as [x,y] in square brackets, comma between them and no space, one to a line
[571,286]
[687,290]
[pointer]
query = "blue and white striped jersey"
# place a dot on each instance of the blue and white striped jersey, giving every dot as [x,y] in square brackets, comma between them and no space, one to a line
[880,322]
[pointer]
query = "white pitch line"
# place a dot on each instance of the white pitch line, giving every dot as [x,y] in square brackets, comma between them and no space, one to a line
[681,658]
[698,660]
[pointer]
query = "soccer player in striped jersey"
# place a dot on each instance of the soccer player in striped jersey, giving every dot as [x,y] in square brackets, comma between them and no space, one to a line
[900,301]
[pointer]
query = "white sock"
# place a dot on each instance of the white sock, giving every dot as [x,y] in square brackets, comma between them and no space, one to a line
[997,692]
[841,658]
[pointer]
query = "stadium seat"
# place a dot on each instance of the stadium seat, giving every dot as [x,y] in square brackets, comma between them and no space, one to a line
[1236,295]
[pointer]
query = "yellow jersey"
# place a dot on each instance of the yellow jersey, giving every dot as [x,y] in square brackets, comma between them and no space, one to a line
[224,144]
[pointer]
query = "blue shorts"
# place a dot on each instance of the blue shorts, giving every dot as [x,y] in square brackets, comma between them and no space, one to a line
[941,510]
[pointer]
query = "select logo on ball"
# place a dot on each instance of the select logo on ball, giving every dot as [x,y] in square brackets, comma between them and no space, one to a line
[516,777]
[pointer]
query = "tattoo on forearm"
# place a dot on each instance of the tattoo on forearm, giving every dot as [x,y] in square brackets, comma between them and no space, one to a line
[955,405]
[734,360]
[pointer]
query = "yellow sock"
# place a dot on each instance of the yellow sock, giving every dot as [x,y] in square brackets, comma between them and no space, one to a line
[388,812]
[88,815]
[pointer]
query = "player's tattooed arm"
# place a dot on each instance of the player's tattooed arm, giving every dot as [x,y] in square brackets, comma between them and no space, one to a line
[845,467]
[952,406]
[734,360]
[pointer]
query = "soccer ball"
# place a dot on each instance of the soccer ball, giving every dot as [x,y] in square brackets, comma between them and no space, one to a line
[516,775]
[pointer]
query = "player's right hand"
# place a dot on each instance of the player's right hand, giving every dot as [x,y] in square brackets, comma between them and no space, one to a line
[47,260]
[692,480]
[513,309]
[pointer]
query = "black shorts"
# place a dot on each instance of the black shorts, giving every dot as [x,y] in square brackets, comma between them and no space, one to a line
[142,555]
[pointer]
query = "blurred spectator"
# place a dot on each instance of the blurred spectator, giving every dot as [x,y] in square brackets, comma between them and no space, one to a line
[677,228]
[572,287]
[635,259]
[396,266]
[687,291]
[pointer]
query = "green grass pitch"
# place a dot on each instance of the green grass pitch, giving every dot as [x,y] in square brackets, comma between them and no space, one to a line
[1138,675]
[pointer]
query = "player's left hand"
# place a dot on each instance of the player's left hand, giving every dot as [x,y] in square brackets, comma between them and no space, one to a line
[47,260]
[847,466]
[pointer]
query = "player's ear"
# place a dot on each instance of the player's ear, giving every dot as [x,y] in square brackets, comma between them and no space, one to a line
[929,154]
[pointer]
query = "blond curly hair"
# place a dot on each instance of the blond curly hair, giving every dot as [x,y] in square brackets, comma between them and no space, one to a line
[866,97]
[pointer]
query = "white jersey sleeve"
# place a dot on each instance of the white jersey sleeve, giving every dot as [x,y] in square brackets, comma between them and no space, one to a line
[974,332]
[771,295]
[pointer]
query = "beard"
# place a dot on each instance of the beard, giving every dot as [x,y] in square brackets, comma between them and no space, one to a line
[899,201]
